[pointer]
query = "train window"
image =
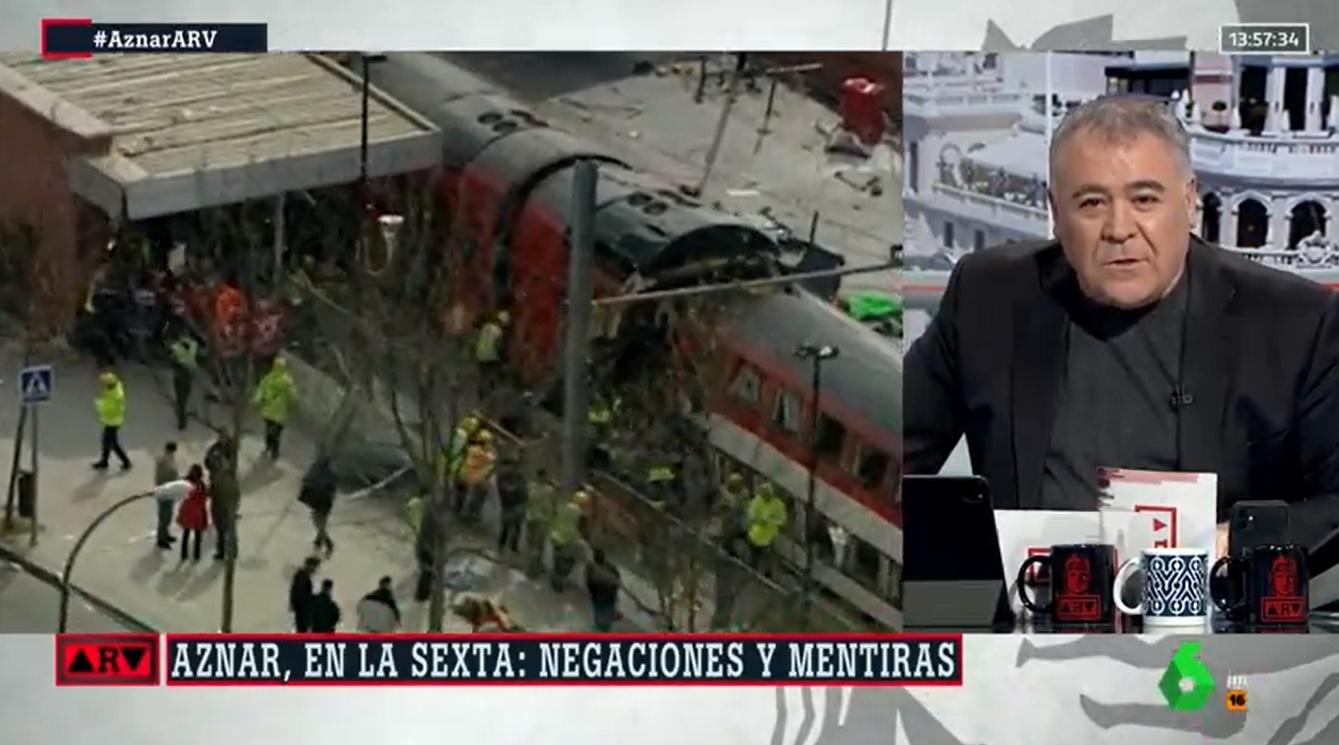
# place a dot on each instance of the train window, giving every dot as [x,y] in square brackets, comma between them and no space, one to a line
[871,465]
[747,384]
[831,433]
[893,588]
[864,564]
[821,536]
[786,411]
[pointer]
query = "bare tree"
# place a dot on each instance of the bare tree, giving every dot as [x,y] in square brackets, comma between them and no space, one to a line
[398,341]
[681,529]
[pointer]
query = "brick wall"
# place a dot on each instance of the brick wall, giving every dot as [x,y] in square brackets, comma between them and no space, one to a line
[35,191]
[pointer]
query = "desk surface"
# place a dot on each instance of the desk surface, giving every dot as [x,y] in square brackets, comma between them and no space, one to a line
[1320,623]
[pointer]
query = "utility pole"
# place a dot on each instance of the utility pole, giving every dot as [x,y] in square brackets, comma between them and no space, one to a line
[817,355]
[32,452]
[581,262]
[731,94]
[367,95]
[12,494]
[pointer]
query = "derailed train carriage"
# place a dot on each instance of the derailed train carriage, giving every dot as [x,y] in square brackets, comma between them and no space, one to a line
[507,182]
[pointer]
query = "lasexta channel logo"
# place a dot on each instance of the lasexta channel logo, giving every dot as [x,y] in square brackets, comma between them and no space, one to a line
[1187,682]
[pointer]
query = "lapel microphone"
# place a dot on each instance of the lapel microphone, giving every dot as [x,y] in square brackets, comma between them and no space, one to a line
[1181,397]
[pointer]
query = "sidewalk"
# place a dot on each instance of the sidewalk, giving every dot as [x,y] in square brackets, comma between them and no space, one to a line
[121,566]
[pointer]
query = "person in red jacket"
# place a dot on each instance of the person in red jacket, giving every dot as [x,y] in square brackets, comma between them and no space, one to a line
[193,515]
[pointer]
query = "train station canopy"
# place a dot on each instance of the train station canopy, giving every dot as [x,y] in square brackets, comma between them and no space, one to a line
[191,131]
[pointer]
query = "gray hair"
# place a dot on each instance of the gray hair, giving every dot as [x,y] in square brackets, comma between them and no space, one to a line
[1120,118]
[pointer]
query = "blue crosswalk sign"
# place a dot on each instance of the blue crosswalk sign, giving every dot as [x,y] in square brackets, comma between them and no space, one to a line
[36,384]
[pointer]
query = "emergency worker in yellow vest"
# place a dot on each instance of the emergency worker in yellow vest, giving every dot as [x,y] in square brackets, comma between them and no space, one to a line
[766,519]
[600,426]
[185,353]
[488,349]
[730,512]
[539,514]
[565,535]
[274,396]
[110,405]
[476,475]
[660,478]
[453,457]
[420,527]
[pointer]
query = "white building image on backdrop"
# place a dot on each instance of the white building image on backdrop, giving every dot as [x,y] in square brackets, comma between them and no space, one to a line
[1264,137]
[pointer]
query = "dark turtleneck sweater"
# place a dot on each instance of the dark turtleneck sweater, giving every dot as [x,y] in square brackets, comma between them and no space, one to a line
[1114,407]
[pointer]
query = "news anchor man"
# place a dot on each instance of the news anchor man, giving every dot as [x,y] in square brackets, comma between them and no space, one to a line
[1128,342]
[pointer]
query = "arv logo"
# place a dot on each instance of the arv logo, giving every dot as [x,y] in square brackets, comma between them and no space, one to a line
[1188,682]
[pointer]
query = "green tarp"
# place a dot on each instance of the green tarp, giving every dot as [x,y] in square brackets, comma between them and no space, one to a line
[873,306]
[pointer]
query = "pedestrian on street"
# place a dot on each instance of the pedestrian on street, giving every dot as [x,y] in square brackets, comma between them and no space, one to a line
[274,396]
[165,468]
[301,600]
[325,611]
[378,612]
[318,493]
[185,354]
[111,407]
[513,494]
[225,497]
[603,583]
[165,472]
[193,515]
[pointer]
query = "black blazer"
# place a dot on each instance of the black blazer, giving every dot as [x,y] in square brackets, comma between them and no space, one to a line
[1262,366]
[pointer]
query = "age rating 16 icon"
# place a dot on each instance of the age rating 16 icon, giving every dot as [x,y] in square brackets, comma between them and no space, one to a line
[1235,697]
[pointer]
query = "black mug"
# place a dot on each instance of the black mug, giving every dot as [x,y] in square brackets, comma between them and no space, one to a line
[1081,577]
[1269,585]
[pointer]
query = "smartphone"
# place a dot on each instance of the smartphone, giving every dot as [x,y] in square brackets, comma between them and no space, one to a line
[1257,523]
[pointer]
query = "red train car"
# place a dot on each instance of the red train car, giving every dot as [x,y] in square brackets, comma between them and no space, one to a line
[507,183]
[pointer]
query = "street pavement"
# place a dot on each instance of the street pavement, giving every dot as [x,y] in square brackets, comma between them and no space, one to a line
[30,606]
[121,566]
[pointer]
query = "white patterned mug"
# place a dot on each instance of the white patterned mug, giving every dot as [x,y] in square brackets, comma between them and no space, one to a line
[1176,586]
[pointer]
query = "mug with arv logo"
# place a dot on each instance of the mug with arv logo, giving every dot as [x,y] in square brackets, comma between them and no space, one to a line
[1268,586]
[1175,586]
[1080,576]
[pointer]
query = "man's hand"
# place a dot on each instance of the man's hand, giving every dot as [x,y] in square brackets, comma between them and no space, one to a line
[1220,545]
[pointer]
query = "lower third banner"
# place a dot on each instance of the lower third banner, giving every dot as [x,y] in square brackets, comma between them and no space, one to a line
[564,659]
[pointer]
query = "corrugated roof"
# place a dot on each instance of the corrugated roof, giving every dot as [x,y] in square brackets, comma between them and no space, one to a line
[197,130]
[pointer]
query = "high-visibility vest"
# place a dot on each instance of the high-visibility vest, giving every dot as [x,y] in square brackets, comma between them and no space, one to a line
[659,474]
[540,507]
[598,414]
[111,405]
[275,394]
[566,527]
[767,515]
[185,352]
[478,465]
[490,338]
